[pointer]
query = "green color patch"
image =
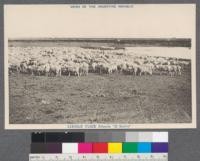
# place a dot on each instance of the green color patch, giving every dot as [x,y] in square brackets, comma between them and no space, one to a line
[129,147]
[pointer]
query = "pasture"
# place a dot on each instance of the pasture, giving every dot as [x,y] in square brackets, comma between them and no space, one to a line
[95,98]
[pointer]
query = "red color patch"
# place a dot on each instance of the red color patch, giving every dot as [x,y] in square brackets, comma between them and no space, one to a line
[100,148]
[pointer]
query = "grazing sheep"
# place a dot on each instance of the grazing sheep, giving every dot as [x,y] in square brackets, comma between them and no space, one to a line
[13,68]
[83,69]
[145,69]
[43,69]
[72,68]
[55,70]
[78,61]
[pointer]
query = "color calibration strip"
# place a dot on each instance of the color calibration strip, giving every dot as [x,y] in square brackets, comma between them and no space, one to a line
[112,143]
[75,148]
[51,137]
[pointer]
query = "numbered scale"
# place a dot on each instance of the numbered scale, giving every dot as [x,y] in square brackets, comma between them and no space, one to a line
[99,157]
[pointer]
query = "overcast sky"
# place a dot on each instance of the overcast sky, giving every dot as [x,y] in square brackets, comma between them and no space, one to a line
[141,21]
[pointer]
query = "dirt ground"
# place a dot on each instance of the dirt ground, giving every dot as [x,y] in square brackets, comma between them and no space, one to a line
[97,98]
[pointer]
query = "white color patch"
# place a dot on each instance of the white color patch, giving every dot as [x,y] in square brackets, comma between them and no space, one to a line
[160,136]
[70,148]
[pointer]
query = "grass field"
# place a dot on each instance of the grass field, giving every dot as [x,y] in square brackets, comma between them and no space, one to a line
[97,98]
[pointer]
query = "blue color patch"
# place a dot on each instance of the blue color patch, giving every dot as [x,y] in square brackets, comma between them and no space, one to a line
[144,147]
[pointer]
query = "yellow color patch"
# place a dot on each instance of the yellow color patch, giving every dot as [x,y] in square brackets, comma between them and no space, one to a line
[114,147]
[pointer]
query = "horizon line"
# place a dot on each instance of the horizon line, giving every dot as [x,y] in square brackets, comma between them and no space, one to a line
[95,38]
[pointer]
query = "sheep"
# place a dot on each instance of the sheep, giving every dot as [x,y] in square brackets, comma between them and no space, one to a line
[54,70]
[43,69]
[83,69]
[145,69]
[58,61]
[71,68]
[23,67]
[13,68]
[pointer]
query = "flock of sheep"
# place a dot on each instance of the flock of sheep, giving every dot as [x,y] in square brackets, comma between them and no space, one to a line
[77,61]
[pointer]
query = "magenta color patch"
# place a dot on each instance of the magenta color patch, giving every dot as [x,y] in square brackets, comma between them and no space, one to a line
[84,148]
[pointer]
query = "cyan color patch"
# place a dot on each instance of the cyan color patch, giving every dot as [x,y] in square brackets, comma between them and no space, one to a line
[144,147]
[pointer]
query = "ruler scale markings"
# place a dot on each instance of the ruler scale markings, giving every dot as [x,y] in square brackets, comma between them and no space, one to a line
[99,157]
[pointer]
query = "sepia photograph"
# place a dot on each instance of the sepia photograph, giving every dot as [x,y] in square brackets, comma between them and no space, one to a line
[100,64]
